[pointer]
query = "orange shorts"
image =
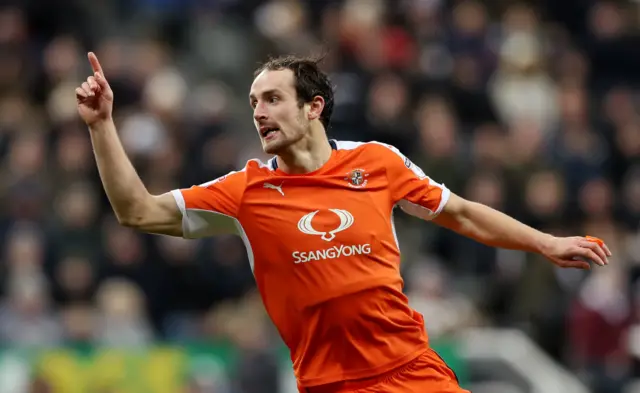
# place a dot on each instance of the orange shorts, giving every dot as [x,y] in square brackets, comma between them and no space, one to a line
[427,373]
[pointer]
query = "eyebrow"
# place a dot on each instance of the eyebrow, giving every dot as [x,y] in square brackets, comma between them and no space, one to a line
[264,93]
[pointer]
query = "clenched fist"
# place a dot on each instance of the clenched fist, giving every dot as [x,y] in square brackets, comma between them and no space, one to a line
[95,97]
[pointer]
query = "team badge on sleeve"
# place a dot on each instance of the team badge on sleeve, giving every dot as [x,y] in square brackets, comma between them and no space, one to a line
[414,168]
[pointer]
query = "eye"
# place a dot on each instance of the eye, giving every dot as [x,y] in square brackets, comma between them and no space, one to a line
[273,100]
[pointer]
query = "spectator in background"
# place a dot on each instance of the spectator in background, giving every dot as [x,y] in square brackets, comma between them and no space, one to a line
[446,312]
[598,331]
[122,322]
[521,88]
[26,319]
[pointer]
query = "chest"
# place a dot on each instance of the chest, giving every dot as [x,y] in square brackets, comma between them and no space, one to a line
[335,214]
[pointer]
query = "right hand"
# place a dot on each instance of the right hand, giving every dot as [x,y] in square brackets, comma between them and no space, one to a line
[95,97]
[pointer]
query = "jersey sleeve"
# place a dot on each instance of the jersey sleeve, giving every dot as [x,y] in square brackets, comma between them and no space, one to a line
[211,208]
[411,189]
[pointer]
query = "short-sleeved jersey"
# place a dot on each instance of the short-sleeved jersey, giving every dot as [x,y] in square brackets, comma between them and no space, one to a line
[324,254]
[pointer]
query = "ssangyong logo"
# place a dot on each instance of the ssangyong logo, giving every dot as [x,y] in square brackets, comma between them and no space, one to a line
[331,253]
[305,225]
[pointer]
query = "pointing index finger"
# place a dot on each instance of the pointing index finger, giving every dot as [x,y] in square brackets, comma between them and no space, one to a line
[95,64]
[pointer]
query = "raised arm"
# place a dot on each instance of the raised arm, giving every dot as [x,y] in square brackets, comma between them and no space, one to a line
[132,204]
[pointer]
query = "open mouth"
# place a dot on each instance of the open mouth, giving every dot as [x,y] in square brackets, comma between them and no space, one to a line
[267,131]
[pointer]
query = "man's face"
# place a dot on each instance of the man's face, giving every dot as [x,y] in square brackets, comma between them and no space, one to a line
[279,119]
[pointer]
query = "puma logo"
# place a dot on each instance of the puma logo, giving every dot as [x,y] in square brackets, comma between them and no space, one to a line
[274,187]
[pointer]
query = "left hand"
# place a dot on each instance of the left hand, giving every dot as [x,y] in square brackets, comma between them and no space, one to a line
[576,252]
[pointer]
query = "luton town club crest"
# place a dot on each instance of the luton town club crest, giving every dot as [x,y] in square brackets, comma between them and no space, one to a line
[357,178]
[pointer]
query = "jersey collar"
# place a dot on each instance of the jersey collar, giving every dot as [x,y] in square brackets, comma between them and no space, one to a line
[274,161]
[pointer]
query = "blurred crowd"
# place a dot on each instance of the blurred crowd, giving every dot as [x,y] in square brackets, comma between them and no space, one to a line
[531,108]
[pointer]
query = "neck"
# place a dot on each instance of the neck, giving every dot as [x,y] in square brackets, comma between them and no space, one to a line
[307,155]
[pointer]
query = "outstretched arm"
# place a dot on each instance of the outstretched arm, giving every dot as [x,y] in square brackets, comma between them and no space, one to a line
[493,228]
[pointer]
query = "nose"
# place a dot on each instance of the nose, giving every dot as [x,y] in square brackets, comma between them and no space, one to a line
[259,113]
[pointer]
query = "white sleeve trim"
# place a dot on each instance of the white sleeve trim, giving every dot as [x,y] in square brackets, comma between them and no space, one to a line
[444,198]
[422,212]
[198,223]
[177,195]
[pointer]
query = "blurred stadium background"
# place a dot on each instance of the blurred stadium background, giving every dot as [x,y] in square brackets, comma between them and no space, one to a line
[532,108]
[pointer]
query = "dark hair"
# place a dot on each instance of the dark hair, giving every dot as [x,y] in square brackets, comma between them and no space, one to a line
[310,81]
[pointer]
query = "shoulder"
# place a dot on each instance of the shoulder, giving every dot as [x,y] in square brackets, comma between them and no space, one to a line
[256,166]
[388,155]
[374,148]
[253,168]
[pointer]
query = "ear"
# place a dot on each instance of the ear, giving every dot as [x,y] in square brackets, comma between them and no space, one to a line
[316,106]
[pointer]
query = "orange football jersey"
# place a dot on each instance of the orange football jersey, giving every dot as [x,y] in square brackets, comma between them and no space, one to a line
[324,254]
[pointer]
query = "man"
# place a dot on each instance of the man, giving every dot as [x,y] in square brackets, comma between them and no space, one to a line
[317,223]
